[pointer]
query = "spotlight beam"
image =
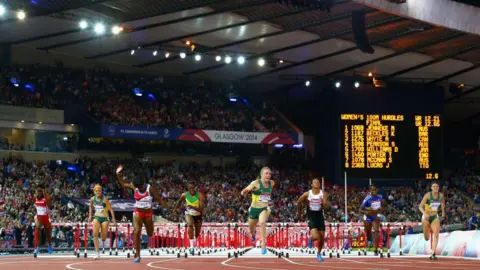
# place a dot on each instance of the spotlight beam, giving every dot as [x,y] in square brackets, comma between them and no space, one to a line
[191,35]
[163,12]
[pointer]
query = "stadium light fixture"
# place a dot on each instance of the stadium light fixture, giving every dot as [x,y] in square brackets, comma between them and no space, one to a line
[228,59]
[183,55]
[261,62]
[198,57]
[83,24]
[116,29]
[356,84]
[307,83]
[3,10]
[21,15]
[218,58]
[241,60]
[338,84]
[99,28]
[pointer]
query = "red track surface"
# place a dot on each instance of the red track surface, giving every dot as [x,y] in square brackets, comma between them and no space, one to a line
[16,263]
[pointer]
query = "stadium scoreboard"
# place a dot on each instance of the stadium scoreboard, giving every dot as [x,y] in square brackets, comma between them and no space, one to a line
[391,145]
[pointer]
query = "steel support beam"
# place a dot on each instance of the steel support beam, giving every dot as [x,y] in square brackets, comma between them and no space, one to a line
[330,55]
[150,26]
[164,12]
[395,54]
[431,62]
[465,93]
[165,41]
[455,74]
[223,46]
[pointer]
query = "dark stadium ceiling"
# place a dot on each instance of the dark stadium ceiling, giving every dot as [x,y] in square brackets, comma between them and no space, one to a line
[298,43]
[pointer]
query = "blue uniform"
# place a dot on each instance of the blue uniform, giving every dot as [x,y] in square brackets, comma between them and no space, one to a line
[373,203]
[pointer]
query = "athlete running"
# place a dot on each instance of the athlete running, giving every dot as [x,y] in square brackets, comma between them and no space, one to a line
[259,211]
[195,203]
[431,203]
[316,200]
[143,213]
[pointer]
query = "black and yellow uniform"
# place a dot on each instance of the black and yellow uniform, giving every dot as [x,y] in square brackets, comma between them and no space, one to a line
[315,216]
[193,201]
[260,200]
[101,211]
[432,206]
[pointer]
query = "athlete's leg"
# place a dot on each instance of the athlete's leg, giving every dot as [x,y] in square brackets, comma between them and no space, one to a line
[368,231]
[436,232]
[191,230]
[262,220]
[252,225]
[315,235]
[376,229]
[198,227]
[48,232]
[137,227]
[105,232]
[321,240]
[96,228]
[38,231]
[426,228]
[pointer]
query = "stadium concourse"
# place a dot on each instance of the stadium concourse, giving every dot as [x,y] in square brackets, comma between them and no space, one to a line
[206,94]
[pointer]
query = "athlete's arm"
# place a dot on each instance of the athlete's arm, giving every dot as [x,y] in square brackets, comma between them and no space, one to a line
[365,208]
[90,210]
[421,207]
[110,209]
[382,206]
[442,201]
[120,178]
[249,188]
[300,204]
[47,197]
[202,203]
[157,197]
[272,183]
[180,200]
[325,200]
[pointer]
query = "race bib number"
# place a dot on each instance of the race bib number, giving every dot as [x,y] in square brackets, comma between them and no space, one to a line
[41,211]
[191,211]
[376,205]
[315,207]
[434,206]
[265,198]
[98,208]
[143,205]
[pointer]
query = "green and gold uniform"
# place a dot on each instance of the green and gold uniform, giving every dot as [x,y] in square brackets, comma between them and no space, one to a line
[101,211]
[432,206]
[260,200]
[193,201]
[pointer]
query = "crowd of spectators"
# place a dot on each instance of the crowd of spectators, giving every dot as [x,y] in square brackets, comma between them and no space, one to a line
[134,100]
[221,186]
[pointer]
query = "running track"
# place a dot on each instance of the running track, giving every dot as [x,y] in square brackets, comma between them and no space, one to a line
[16,263]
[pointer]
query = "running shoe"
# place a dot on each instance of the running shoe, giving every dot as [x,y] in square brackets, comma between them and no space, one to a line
[310,243]
[433,257]
[137,260]
[192,251]
[97,256]
[253,237]
[264,251]
[36,251]
[50,249]
[319,257]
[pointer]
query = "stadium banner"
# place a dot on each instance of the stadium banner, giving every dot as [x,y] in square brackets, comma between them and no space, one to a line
[197,135]
[117,205]
[140,133]
[457,243]
[241,137]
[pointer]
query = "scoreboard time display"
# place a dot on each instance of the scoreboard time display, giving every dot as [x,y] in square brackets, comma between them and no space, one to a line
[391,145]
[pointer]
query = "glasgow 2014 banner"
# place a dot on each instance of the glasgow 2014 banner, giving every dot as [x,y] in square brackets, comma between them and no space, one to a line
[197,135]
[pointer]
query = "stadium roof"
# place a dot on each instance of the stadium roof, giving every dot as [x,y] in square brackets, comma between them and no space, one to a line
[429,40]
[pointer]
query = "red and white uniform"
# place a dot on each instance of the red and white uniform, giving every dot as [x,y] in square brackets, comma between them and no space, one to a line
[143,201]
[42,211]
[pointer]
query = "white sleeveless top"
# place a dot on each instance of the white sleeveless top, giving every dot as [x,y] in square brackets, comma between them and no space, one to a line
[315,201]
